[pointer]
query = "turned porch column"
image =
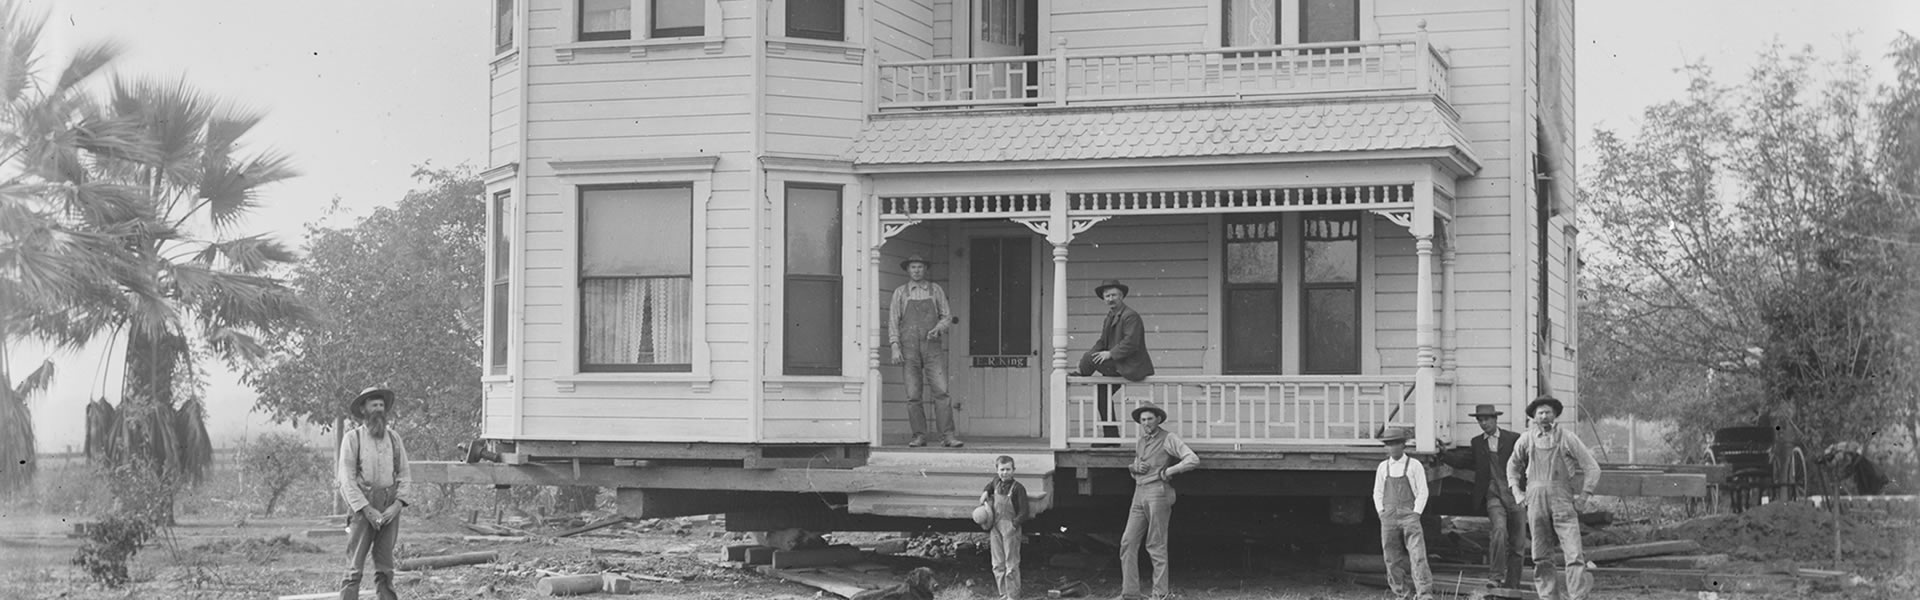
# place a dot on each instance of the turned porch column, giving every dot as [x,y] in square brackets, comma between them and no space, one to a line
[1424,395]
[1449,327]
[1059,234]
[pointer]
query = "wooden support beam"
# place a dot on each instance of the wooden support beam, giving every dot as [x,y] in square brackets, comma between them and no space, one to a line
[654,503]
[568,585]
[1689,561]
[1613,553]
[738,552]
[760,555]
[600,524]
[820,557]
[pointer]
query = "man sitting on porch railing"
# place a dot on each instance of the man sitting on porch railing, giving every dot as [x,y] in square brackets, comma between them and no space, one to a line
[1121,350]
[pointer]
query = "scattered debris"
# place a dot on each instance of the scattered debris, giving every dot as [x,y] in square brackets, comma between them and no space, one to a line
[568,585]
[602,523]
[856,585]
[1614,553]
[496,539]
[831,555]
[449,560]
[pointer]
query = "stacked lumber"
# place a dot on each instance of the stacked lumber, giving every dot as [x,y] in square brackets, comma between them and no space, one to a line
[1675,565]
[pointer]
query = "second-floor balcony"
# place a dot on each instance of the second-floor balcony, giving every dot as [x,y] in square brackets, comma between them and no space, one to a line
[1406,65]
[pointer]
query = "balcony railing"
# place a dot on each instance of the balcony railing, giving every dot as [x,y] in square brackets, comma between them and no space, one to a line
[1251,411]
[1062,79]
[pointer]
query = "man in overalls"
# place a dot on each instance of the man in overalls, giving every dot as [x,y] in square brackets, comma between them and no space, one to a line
[372,476]
[1545,461]
[1400,495]
[919,318]
[1158,455]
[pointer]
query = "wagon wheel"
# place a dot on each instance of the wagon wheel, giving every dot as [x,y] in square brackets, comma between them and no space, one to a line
[1793,475]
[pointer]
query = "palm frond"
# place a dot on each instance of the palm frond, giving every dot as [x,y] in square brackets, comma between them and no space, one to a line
[103,421]
[233,190]
[20,45]
[195,447]
[252,254]
[34,383]
[85,63]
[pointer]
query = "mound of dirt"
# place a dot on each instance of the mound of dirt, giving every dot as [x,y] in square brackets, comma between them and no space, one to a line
[1792,531]
[259,547]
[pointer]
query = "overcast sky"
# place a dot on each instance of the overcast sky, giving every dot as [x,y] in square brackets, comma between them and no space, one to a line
[360,91]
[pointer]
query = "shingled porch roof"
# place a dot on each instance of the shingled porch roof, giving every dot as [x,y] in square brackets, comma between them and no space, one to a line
[1165,131]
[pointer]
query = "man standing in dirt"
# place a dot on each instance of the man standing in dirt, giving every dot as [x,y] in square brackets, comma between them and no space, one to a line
[372,475]
[918,319]
[1157,456]
[1545,461]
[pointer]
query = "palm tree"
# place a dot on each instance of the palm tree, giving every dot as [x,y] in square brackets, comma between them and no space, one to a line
[62,231]
[214,290]
[17,462]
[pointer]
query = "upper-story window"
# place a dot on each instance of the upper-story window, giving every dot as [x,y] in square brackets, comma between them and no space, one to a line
[502,26]
[817,19]
[678,18]
[606,20]
[1270,22]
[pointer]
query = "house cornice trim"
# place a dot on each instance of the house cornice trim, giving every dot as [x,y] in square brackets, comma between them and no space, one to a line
[665,163]
[498,174]
[806,164]
[1459,163]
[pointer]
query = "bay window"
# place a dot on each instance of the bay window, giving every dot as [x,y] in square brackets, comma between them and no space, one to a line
[636,277]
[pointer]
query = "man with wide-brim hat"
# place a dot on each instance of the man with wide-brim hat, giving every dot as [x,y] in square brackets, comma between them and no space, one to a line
[917,321]
[1550,470]
[1158,456]
[1400,496]
[1491,451]
[372,475]
[1121,350]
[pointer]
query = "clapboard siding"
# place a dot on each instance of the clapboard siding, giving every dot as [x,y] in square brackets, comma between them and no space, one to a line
[807,113]
[903,29]
[943,26]
[1164,261]
[1130,25]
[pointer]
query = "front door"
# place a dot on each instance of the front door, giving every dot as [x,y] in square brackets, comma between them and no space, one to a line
[997,369]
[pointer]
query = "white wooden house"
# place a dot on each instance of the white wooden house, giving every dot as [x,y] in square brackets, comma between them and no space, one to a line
[1333,214]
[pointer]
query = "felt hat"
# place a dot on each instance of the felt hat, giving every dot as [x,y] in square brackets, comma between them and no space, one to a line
[1485,410]
[1100,290]
[915,259]
[1558,409]
[1149,408]
[1395,434]
[356,408]
[983,515]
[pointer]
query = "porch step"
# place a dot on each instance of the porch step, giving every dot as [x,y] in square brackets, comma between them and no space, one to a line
[943,484]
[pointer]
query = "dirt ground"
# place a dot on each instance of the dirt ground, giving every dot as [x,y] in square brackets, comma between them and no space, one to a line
[215,558]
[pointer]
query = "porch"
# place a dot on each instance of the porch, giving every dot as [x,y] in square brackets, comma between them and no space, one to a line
[1172,247]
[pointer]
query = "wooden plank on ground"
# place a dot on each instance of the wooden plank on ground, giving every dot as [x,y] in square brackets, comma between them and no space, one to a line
[1684,561]
[840,582]
[568,585]
[450,560]
[760,555]
[1613,553]
[600,524]
[819,557]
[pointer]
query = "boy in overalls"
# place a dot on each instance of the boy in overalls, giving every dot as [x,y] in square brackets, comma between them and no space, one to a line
[1400,495]
[1008,500]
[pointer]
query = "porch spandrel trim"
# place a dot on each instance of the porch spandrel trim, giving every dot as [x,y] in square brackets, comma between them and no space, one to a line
[1396,196]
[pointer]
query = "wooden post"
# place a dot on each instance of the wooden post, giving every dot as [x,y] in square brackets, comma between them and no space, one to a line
[1059,75]
[1422,53]
[875,400]
[1449,326]
[1059,234]
[1633,434]
[1427,361]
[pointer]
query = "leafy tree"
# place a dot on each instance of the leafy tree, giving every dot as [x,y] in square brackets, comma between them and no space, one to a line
[278,460]
[399,295]
[1749,256]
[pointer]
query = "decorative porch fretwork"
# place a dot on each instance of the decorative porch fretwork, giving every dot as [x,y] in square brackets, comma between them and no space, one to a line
[1245,200]
[1403,218]
[1075,226]
[965,207]
[888,229]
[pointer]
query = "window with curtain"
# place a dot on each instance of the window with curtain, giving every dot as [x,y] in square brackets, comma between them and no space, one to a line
[817,19]
[813,280]
[1252,324]
[1000,21]
[501,276]
[678,18]
[636,278]
[1330,290]
[606,20]
[1249,23]
[502,25]
[1329,21]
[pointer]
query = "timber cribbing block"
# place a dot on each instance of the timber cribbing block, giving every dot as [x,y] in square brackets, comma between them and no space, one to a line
[760,555]
[831,555]
[1613,553]
[738,552]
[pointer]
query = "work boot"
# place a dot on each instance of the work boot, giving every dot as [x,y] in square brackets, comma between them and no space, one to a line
[952,442]
[383,583]
[350,587]
[918,441]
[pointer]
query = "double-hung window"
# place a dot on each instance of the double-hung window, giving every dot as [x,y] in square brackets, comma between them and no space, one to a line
[811,340]
[1252,322]
[817,19]
[1330,293]
[606,20]
[677,18]
[1248,23]
[502,26]
[500,278]
[636,278]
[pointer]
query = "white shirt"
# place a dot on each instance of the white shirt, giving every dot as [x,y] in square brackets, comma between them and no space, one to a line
[1416,475]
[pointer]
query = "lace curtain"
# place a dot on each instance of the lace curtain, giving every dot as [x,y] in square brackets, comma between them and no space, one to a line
[636,321]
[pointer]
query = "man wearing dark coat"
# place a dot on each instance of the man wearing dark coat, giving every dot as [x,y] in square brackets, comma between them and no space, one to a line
[1121,350]
[1491,451]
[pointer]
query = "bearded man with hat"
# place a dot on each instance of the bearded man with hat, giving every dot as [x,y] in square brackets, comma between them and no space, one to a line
[373,476]
[917,323]
[1400,496]
[1121,350]
[1546,461]
[1158,455]
[1492,449]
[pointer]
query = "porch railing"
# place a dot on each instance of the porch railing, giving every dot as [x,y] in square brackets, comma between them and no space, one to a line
[1242,411]
[1062,79]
